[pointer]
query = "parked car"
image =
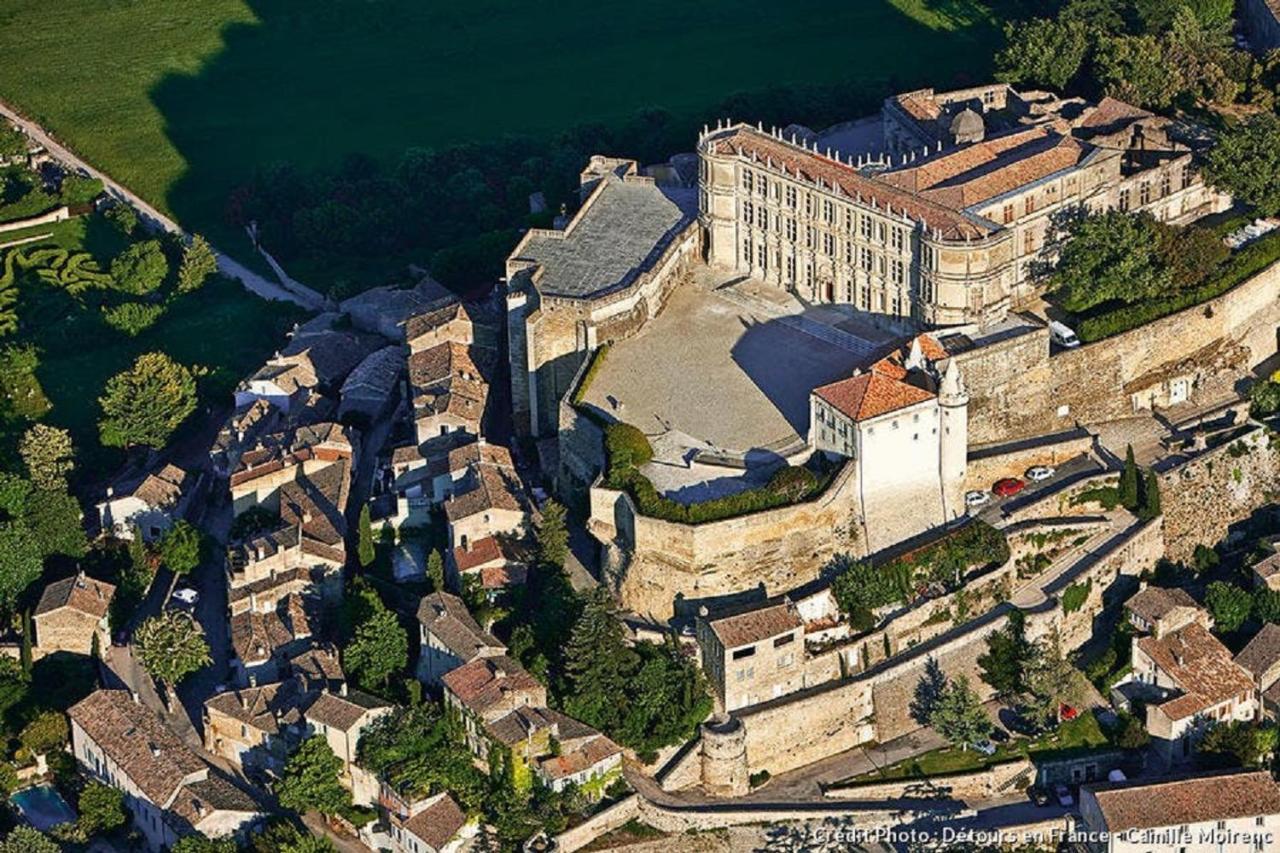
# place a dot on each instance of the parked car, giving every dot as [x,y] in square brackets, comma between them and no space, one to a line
[1037,473]
[1038,795]
[1063,794]
[1063,335]
[1008,487]
[186,596]
[986,747]
[976,498]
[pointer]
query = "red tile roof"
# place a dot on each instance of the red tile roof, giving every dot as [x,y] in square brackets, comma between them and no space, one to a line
[869,395]
[438,823]
[1179,802]
[493,683]
[755,625]
[78,593]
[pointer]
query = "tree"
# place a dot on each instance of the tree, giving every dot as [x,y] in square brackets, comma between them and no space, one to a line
[1236,744]
[180,546]
[146,403]
[20,562]
[1204,558]
[1229,604]
[435,570]
[929,691]
[200,844]
[310,779]
[379,647]
[1245,162]
[1051,680]
[1133,69]
[1266,605]
[26,839]
[46,733]
[53,517]
[1129,480]
[552,535]
[141,268]
[958,715]
[860,584]
[1132,734]
[364,539]
[48,456]
[1149,508]
[123,217]
[598,663]
[25,657]
[171,647]
[101,809]
[1042,52]
[1264,398]
[1107,257]
[198,263]
[1007,652]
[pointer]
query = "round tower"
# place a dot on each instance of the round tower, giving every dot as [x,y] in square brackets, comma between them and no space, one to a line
[953,443]
[724,757]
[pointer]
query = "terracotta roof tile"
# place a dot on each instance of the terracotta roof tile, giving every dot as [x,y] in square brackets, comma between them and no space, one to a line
[1154,603]
[78,592]
[438,823]
[1178,802]
[595,751]
[1200,665]
[755,625]
[869,395]
[492,687]
[446,617]
[343,712]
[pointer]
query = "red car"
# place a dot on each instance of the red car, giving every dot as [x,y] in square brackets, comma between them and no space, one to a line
[1007,487]
[1067,713]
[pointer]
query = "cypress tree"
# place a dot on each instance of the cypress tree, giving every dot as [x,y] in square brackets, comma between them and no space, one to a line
[26,642]
[1150,497]
[364,540]
[1129,479]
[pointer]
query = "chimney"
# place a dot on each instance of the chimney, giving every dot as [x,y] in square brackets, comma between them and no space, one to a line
[110,491]
[306,516]
[244,700]
[133,694]
[260,551]
[342,689]
[155,750]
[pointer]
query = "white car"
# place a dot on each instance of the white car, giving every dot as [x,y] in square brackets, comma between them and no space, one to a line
[975,498]
[186,596]
[1038,473]
[986,747]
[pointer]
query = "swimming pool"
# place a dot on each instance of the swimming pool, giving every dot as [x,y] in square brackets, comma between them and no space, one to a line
[42,807]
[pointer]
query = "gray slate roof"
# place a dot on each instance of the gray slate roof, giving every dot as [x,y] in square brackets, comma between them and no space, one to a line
[619,233]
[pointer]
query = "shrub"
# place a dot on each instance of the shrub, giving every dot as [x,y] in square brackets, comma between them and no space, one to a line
[1107,496]
[793,481]
[626,446]
[1074,596]
[132,318]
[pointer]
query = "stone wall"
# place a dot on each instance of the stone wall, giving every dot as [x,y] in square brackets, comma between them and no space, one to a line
[657,566]
[681,819]
[1013,460]
[980,784]
[598,824]
[1202,498]
[1017,389]
[805,727]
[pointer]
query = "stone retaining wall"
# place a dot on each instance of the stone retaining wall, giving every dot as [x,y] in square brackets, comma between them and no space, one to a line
[598,824]
[980,784]
[61,214]
[982,472]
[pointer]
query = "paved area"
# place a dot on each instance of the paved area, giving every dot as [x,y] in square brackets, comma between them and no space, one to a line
[730,373]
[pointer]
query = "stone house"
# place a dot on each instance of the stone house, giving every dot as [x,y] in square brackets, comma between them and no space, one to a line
[450,323]
[285,456]
[1158,611]
[587,759]
[263,642]
[319,356]
[488,501]
[1266,572]
[1188,681]
[435,824]
[149,503]
[370,389]
[1261,659]
[255,727]
[341,718]
[70,613]
[752,655]
[318,669]
[1235,810]
[449,637]
[487,689]
[386,310]
[499,562]
[170,791]
[448,392]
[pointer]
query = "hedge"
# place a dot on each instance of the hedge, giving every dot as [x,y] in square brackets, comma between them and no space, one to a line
[654,505]
[597,359]
[1242,265]
[626,447]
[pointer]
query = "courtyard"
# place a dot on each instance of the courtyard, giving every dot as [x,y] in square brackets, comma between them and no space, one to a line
[723,375]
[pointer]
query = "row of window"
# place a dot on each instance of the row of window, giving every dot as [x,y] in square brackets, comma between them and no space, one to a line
[866,225]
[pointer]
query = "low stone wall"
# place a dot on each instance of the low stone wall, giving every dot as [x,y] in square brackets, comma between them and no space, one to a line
[998,462]
[980,784]
[697,818]
[805,727]
[1202,498]
[657,567]
[61,214]
[598,824]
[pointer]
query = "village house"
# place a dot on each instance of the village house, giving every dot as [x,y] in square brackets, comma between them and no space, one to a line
[318,669]
[340,718]
[149,503]
[1261,659]
[255,727]
[1158,611]
[71,613]
[170,791]
[434,824]
[1188,681]
[385,310]
[263,642]
[283,457]
[487,501]
[450,323]
[370,389]
[449,637]
[317,359]
[754,654]
[497,562]
[448,392]
[485,690]
[1237,810]
[1266,572]
[240,432]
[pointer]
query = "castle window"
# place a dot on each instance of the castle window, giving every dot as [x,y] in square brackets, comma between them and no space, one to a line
[897,305]
[1029,205]
[748,211]
[848,220]
[866,227]
[762,256]
[866,259]
[898,271]
[881,232]
[848,251]
[747,180]
[791,197]
[809,236]
[1008,213]
[1144,193]
[746,251]
[779,642]
[1124,200]
[764,218]
[1165,181]
[926,255]
[791,268]
[791,229]
[808,204]
[828,211]
[763,185]
[897,239]
[829,245]
[866,298]
[1187,175]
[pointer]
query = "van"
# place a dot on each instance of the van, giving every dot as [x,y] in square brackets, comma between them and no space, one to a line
[1062,335]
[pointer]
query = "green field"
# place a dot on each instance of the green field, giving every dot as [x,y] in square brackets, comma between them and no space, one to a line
[182,99]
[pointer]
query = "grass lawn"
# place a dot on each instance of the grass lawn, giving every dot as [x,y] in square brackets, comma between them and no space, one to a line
[218,328]
[1080,733]
[182,100]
